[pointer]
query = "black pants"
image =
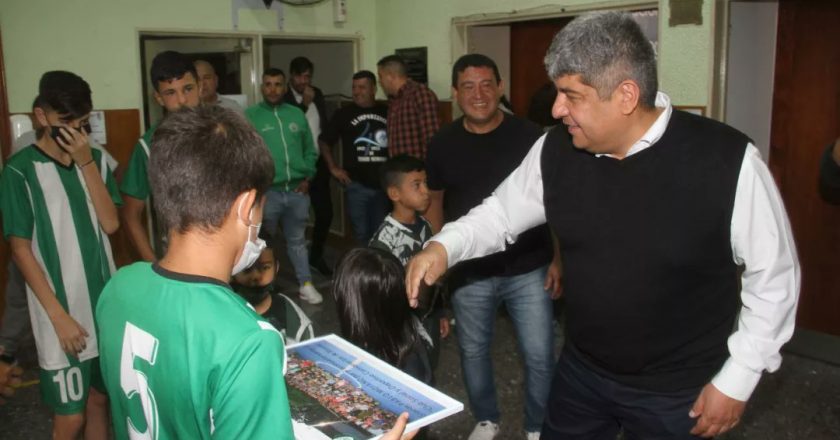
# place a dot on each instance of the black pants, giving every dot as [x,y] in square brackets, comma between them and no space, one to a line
[586,405]
[319,194]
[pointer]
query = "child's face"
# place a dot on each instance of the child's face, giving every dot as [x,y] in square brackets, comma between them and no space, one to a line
[412,192]
[260,273]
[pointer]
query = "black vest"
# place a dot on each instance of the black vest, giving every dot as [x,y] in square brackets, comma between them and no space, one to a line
[651,287]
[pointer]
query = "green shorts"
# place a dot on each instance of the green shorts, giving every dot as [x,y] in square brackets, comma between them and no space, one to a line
[66,390]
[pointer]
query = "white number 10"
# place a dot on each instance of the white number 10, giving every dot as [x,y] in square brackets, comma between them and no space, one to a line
[137,343]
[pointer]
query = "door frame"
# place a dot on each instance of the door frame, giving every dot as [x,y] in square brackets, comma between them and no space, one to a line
[5,124]
[256,48]
[459,31]
[340,231]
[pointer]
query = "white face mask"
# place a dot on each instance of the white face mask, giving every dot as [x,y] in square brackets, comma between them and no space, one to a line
[252,249]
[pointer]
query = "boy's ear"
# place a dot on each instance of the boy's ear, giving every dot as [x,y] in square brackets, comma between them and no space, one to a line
[40,116]
[393,193]
[244,204]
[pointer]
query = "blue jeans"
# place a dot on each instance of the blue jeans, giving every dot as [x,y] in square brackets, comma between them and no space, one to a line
[529,306]
[291,210]
[367,208]
[586,405]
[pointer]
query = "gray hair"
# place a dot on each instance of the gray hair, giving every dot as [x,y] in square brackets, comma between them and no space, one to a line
[605,48]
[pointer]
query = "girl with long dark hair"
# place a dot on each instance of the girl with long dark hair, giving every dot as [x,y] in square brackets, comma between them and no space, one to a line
[374,314]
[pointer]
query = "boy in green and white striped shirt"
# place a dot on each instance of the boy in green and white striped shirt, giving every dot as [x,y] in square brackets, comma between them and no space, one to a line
[58,198]
[176,86]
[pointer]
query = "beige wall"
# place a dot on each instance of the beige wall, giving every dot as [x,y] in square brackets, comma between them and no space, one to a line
[685,51]
[98,39]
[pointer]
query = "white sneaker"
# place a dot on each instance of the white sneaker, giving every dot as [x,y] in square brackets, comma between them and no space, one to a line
[485,430]
[532,435]
[309,294]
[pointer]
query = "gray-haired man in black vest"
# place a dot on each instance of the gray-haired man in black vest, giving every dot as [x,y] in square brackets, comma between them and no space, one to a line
[655,210]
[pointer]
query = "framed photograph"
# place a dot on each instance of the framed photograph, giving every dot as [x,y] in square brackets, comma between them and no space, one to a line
[339,391]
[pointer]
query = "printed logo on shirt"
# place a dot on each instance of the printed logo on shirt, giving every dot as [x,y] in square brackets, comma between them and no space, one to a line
[371,145]
[293,127]
[267,127]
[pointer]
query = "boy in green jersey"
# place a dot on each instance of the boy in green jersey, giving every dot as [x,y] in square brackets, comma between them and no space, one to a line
[183,356]
[58,198]
[176,86]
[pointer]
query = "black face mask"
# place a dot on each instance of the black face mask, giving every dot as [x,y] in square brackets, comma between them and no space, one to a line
[55,133]
[253,294]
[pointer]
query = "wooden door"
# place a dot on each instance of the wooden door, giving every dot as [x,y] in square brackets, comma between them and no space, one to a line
[529,40]
[806,117]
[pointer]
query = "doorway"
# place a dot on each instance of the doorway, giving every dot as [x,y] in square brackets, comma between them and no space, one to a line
[518,47]
[231,56]
[805,119]
[334,61]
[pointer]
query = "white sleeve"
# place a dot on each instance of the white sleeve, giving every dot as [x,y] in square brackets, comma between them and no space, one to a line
[762,241]
[112,163]
[514,207]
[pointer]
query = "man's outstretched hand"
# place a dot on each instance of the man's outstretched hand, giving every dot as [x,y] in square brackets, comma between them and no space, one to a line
[426,267]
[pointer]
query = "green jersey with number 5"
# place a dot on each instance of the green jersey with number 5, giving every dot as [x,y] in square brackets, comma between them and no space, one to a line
[183,356]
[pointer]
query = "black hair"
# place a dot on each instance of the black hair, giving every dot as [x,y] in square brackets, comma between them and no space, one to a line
[201,160]
[373,310]
[273,71]
[270,243]
[301,65]
[170,65]
[473,60]
[393,63]
[65,93]
[366,74]
[395,168]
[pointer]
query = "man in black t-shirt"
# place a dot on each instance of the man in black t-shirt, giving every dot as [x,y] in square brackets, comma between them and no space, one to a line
[467,159]
[361,127]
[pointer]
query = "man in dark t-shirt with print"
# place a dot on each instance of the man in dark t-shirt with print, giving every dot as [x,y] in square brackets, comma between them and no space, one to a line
[467,159]
[361,127]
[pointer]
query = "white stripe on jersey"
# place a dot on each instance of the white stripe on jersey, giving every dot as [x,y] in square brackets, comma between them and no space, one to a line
[42,328]
[266,326]
[72,270]
[100,234]
[145,147]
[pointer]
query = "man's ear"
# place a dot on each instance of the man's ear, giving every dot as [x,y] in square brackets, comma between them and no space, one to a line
[159,98]
[629,96]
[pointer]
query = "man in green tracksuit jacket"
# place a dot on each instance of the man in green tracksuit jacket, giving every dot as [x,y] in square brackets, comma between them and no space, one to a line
[285,131]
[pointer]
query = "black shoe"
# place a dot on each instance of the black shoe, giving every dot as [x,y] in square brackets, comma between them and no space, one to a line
[321,266]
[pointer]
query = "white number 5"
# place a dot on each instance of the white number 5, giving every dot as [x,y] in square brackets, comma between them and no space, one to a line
[137,343]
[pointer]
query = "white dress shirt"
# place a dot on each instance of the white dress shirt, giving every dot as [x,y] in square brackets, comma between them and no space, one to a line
[760,236]
[312,116]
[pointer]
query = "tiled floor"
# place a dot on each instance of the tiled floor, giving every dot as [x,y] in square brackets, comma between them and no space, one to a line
[799,402]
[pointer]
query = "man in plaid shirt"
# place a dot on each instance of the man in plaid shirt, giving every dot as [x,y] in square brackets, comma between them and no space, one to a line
[412,111]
